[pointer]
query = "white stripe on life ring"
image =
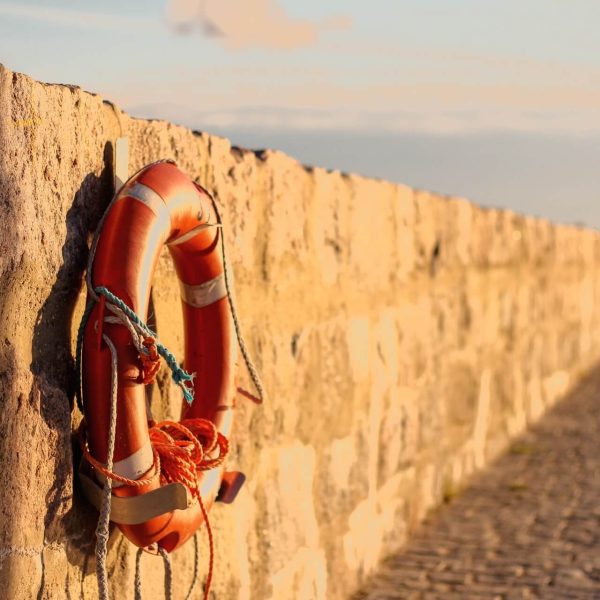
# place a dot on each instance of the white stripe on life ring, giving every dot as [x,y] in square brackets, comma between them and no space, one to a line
[192,233]
[134,466]
[205,293]
[149,197]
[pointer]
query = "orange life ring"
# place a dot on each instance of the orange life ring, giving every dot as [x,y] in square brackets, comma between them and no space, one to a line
[159,205]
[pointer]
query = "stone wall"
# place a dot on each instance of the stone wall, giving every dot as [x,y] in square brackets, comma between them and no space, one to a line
[403,338]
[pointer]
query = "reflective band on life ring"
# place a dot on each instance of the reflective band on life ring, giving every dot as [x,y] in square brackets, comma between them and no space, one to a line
[148,197]
[159,206]
[134,466]
[205,293]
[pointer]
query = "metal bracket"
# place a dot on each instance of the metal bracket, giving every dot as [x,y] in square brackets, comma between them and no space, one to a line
[121,162]
[231,483]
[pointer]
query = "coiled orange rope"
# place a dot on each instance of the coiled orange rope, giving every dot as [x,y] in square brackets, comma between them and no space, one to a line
[180,450]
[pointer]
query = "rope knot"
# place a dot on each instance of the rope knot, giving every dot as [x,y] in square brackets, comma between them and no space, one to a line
[150,360]
[186,448]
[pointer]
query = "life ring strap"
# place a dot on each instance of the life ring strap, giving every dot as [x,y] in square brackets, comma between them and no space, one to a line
[138,509]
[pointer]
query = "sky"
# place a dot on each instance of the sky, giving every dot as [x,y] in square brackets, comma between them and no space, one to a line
[494,100]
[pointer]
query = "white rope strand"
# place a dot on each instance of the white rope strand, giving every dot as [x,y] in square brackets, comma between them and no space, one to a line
[138,334]
[102,530]
[196,568]
[236,323]
[168,574]
[138,578]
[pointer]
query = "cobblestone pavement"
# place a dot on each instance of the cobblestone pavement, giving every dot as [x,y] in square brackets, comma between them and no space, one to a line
[527,527]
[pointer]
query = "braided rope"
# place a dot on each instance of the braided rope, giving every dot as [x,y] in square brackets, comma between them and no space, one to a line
[179,452]
[196,568]
[168,573]
[108,472]
[128,316]
[179,448]
[137,581]
[236,323]
[137,585]
[211,549]
[102,529]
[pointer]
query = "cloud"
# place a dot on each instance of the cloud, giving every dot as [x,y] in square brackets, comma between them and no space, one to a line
[442,108]
[241,24]
[74,18]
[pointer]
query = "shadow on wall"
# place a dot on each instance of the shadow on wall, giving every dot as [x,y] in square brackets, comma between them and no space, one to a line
[69,519]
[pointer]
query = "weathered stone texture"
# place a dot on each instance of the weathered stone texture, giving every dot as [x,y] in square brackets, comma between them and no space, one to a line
[403,339]
[526,528]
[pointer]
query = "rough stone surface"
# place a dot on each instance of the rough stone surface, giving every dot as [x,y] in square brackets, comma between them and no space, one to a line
[528,527]
[403,339]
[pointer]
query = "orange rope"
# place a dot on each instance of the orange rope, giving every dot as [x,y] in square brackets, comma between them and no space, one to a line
[211,549]
[180,451]
[150,361]
[249,395]
[156,466]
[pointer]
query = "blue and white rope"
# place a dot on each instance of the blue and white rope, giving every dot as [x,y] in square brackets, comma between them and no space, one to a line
[137,328]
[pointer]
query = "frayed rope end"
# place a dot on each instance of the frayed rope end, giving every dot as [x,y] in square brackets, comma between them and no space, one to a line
[181,378]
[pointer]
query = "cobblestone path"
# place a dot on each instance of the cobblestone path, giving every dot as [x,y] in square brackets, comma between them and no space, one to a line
[527,527]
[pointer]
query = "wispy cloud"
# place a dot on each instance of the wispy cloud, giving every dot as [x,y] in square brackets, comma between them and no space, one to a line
[391,108]
[74,18]
[241,24]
